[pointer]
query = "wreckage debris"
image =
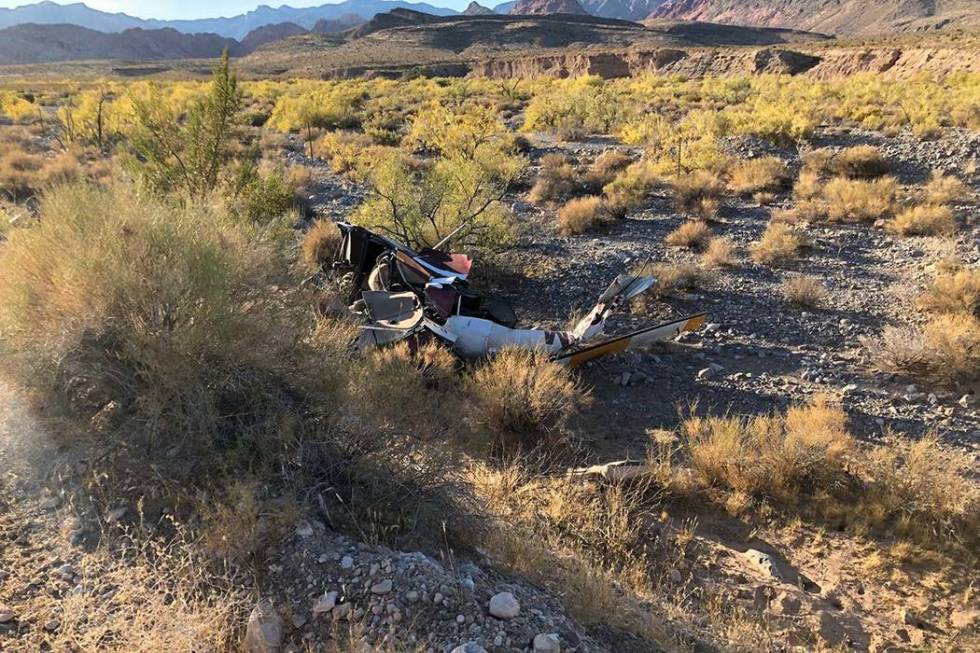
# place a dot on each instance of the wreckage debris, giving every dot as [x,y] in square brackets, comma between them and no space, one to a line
[408,295]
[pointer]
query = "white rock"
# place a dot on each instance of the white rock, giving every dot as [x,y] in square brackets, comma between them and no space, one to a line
[347,562]
[547,643]
[325,603]
[504,606]
[264,631]
[469,647]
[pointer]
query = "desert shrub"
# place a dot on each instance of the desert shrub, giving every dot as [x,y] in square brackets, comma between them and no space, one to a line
[166,310]
[943,189]
[320,244]
[580,215]
[945,351]
[719,253]
[347,152]
[186,151]
[692,234]
[854,200]
[630,188]
[755,175]
[261,196]
[575,107]
[17,107]
[803,291]
[773,456]
[520,393]
[698,193]
[858,162]
[923,220]
[556,180]
[325,106]
[955,289]
[606,166]
[779,244]
[420,204]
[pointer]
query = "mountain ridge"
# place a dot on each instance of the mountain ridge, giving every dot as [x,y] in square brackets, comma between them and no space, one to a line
[236,27]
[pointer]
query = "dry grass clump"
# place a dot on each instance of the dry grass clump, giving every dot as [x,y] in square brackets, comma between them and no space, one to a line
[859,162]
[676,277]
[580,215]
[925,486]
[698,193]
[404,390]
[556,180]
[320,244]
[520,393]
[923,220]
[945,351]
[166,310]
[778,457]
[943,189]
[606,166]
[720,253]
[807,459]
[237,525]
[817,162]
[807,186]
[754,175]
[853,200]
[161,601]
[955,289]
[692,234]
[779,244]
[803,291]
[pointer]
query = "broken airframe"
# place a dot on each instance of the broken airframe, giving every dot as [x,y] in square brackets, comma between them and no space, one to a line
[405,294]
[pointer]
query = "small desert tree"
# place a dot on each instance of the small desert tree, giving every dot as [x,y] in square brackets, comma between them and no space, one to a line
[186,153]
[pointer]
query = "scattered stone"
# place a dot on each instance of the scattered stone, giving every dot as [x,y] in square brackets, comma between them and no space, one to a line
[52,625]
[504,606]
[325,603]
[116,514]
[764,562]
[264,631]
[347,562]
[546,643]
[382,587]
[469,647]
[6,615]
[304,529]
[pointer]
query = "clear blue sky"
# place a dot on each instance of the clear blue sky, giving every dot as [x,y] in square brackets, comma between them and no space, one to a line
[167,9]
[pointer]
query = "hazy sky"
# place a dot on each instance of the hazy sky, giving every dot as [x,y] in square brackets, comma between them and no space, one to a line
[207,8]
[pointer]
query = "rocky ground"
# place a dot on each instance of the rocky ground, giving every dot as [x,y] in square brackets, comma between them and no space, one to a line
[758,352]
[818,587]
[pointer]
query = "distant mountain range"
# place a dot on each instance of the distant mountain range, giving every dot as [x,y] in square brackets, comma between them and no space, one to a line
[33,43]
[235,27]
[829,16]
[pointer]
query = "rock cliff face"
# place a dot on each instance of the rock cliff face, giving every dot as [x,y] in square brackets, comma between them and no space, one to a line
[829,16]
[895,62]
[542,7]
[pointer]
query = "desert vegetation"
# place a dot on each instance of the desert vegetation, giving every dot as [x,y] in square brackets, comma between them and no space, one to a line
[168,314]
